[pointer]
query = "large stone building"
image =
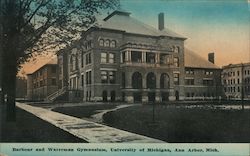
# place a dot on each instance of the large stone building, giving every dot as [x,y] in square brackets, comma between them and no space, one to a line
[236,81]
[42,82]
[123,59]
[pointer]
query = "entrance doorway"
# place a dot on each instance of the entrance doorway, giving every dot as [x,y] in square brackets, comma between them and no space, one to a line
[176,95]
[151,97]
[104,96]
[164,96]
[112,96]
[137,97]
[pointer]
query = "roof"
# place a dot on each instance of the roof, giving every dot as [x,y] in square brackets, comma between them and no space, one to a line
[52,61]
[121,20]
[236,65]
[193,60]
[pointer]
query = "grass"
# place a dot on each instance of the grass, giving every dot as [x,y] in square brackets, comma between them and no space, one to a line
[29,128]
[182,124]
[83,111]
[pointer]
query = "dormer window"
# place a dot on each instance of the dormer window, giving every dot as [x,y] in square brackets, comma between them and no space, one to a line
[101,42]
[113,44]
[106,44]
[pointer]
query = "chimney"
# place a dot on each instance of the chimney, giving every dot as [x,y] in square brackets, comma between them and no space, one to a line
[211,57]
[161,21]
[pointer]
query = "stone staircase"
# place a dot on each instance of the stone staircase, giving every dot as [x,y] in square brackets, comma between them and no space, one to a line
[56,95]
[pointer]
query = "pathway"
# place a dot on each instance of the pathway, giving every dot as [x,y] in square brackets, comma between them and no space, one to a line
[90,131]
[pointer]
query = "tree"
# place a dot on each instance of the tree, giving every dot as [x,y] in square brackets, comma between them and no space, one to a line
[33,26]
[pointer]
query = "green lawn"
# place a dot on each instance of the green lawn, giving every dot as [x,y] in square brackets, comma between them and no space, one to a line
[182,124]
[29,128]
[83,111]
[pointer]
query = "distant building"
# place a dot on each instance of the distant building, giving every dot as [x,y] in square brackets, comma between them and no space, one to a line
[124,59]
[236,81]
[42,82]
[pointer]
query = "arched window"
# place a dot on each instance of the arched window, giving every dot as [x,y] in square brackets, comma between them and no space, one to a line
[113,44]
[137,80]
[106,44]
[101,42]
[164,81]
[151,81]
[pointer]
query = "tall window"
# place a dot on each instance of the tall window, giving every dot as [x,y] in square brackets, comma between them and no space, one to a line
[104,76]
[111,58]
[88,58]
[176,62]
[82,82]
[103,57]
[176,79]
[112,77]
[82,58]
[88,77]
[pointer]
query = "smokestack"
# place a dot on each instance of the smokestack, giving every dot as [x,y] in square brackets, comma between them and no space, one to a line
[211,57]
[161,21]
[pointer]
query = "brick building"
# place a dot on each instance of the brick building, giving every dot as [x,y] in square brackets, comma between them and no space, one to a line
[236,81]
[202,77]
[42,82]
[123,59]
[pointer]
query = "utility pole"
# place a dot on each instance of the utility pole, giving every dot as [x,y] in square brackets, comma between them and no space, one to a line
[242,86]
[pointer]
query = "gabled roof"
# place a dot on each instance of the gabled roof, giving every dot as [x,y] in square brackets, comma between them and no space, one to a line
[121,20]
[193,60]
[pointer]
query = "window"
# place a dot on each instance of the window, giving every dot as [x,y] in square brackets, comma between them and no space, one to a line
[238,73]
[82,82]
[106,44]
[104,76]
[150,57]
[238,80]
[101,42]
[136,56]
[208,82]
[176,49]
[103,57]
[88,77]
[176,79]
[189,81]
[53,81]
[82,58]
[209,72]
[190,71]
[112,77]
[111,58]
[53,69]
[113,44]
[176,62]
[88,58]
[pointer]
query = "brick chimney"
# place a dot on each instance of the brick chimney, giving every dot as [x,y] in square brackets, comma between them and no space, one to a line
[161,21]
[211,57]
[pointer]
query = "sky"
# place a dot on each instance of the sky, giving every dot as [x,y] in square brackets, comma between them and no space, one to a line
[219,26]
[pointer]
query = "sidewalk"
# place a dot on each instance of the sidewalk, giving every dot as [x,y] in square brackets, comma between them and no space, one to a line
[89,131]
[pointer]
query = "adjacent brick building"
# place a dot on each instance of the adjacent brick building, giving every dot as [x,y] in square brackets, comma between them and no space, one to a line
[42,82]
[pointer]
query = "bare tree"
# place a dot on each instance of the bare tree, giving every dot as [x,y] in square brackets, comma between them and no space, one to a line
[35,26]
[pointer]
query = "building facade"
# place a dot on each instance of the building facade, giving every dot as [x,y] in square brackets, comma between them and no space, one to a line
[236,81]
[123,59]
[202,77]
[43,82]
